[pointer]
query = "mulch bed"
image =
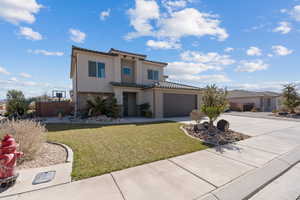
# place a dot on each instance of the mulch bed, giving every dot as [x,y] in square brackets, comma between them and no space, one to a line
[216,136]
[50,154]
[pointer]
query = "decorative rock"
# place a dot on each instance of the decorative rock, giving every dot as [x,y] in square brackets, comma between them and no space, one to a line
[223,125]
[206,125]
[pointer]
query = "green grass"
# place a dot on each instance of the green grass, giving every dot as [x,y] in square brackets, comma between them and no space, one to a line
[103,149]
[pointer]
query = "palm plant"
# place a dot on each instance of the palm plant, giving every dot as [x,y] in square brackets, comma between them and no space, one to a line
[97,106]
[214,103]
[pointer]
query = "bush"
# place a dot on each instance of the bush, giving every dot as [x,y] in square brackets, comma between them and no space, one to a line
[197,116]
[145,110]
[29,134]
[148,114]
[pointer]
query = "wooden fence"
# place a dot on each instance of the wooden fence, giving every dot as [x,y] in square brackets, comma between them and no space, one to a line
[51,109]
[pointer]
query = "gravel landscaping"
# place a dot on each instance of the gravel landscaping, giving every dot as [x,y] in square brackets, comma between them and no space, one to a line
[50,154]
[215,136]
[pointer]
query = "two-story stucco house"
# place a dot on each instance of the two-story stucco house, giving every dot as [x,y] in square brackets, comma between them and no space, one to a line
[132,79]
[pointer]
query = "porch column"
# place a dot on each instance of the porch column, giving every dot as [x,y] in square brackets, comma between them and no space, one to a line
[118,95]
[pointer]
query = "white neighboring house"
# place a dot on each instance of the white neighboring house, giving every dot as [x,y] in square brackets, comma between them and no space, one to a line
[132,79]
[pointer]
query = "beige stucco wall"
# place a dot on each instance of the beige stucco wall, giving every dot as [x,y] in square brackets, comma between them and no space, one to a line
[94,84]
[145,67]
[112,72]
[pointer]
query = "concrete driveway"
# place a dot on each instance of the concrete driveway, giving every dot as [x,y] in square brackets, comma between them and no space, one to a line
[190,176]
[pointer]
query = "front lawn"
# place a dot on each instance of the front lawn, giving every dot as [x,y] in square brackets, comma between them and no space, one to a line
[103,149]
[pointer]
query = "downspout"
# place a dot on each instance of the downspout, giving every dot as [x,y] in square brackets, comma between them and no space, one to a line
[154,111]
[76,87]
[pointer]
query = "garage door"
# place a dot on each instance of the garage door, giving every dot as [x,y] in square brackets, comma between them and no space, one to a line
[178,105]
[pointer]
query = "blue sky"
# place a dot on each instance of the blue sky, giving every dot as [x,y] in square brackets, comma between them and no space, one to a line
[250,45]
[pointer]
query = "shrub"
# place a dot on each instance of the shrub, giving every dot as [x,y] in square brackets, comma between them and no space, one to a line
[30,136]
[145,110]
[148,114]
[113,110]
[197,116]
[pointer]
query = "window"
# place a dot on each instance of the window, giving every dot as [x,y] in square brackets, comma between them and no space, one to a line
[126,71]
[96,69]
[153,75]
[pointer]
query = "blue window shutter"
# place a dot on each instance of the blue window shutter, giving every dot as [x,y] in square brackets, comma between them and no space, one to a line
[155,75]
[101,70]
[92,69]
[150,74]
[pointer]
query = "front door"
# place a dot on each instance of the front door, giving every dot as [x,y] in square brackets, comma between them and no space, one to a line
[129,104]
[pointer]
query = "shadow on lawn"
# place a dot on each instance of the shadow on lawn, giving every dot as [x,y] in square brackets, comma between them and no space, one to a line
[64,127]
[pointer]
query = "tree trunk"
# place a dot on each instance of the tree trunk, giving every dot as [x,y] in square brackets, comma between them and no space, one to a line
[211,125]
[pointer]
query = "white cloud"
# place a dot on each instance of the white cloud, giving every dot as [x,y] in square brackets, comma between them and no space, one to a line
[252,66]
[295,13]
[281,50]
[45,52]
[275,86]
[29,34]
[16,11]
[191,22]
[14,79]
[77,36]
[283,28]
[283,10]
[4,71]
[187,68]
[193,63]
[147,20]
[141,16]
[172,5]
[254,51]
[162,44]
[104,14]
[25,75]
[213,78]
[212,58]
[228,49]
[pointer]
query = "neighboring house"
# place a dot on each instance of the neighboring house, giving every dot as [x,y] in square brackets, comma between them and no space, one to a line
[264,101]
[132,80]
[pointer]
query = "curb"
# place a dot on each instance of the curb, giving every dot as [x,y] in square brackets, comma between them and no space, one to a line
[69,151]
[249,184]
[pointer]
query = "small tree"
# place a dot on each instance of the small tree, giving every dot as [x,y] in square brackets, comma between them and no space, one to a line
[291,97]
[16,105]
[214,103]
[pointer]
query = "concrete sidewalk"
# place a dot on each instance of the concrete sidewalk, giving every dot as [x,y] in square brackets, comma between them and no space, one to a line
[221,172]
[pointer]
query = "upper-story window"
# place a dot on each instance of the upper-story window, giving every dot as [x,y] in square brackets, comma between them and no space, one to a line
[127,71]
[153,75]
[96,69]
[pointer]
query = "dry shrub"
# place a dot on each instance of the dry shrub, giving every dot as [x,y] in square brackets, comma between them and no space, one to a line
[197,116]
[30,136]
